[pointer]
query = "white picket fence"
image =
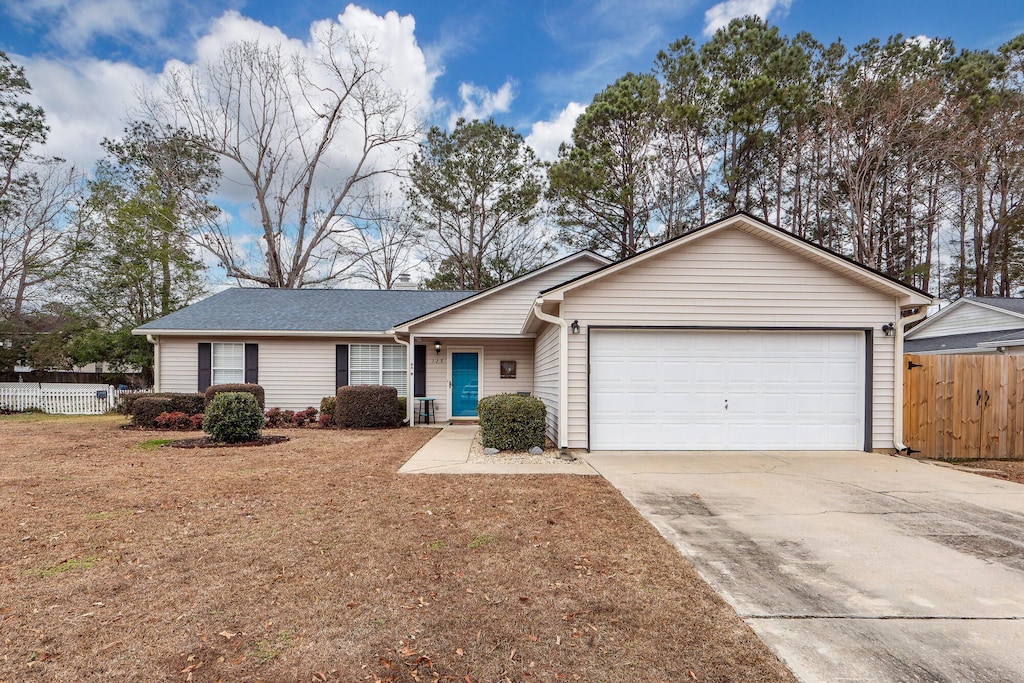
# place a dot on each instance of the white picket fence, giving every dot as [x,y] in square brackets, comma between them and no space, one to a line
[60,399]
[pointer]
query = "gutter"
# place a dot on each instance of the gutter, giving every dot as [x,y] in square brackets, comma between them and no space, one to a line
[563,369]
[898,379]
[156,361]
[409,403]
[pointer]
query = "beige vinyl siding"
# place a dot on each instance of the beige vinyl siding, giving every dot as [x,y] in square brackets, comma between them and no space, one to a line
[494,351]
[503,312]
[179,364]
[545,376]
[294,373]
[969,318]
[730,279]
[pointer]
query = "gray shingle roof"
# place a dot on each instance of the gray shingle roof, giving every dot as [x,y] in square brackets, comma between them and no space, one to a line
[1012,304]
[304,310]
[952,342]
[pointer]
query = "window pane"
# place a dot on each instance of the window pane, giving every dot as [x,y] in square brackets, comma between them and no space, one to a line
[227,376]
[363,377]
[364,357]
[394,357]
[395,379]
[231,356]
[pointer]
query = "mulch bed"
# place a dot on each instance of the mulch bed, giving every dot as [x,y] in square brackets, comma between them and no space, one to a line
[207,442]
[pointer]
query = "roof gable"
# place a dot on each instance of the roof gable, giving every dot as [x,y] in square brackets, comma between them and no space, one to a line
[855,271]
[570,266]
[972,315]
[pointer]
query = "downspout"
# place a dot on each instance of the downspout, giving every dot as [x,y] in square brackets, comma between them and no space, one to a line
[563,369]
[156,361]
[409,360]
[897,417]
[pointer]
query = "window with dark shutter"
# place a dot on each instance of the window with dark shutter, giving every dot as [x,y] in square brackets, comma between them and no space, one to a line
[205,365]
[419,371]
[341,365]
[252,363]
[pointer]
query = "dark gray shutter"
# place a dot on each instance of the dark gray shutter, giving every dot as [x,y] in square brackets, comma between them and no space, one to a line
[252,363]
[205,366]
[341,365]
[419,370]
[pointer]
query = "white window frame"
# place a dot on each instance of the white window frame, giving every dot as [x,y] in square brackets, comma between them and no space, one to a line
[380,368]
[214,368]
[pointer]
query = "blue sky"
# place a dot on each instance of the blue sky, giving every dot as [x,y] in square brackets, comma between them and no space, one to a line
[529,63]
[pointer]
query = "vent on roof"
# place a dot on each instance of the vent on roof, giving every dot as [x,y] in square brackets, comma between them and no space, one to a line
[405,282]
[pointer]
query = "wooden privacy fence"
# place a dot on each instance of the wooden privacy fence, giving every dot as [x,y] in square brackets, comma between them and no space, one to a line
[964,406]
[60,399]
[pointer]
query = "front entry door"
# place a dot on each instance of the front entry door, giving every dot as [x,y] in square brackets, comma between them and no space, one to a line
[465,383]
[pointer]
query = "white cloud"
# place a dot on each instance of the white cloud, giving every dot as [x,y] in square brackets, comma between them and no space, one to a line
[73,24]
[546,136]
[478,102]
[84,101]
[719,16]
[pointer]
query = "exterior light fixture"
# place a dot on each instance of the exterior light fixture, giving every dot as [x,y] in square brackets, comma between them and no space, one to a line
[437,348]
[889,329]
[575,326]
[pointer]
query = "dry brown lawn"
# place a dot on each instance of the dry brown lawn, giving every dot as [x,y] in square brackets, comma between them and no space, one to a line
[1011,470]
[314,560]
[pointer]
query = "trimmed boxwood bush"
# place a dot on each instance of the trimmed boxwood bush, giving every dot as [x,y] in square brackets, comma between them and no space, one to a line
[510,422]
[362,407]
[254,389]
[144,408]
[234,417]
[177,402]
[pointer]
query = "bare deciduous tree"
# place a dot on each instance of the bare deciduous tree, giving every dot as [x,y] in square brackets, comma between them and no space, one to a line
[302,134]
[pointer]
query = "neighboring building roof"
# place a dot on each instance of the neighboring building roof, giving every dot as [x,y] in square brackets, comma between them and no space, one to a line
[1011,304]
[832,257]
[301,310]
[585,253]
[961,342]
[1002,305]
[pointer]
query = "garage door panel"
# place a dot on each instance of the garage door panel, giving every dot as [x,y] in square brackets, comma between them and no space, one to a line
[667,389]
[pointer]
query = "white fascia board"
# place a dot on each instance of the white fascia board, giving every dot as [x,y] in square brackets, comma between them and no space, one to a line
[259,333]
[479,296]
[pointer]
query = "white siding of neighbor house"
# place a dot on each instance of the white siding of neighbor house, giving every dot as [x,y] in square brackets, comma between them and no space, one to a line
[494,351]
[294,373]
[969,318]
[730,278]
[503,312]
[545,376]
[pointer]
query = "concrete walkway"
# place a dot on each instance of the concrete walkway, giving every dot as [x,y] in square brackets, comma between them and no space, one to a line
[851,566]
[448,453]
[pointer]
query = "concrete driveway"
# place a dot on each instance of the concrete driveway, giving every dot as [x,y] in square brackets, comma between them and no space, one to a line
[851,566]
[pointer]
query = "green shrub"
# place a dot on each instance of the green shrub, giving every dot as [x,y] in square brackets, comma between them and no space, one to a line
[403,408]
[510,422]
[254,389]
[179,402]
[143,409]
[362,407]
[327,408]
[234,417]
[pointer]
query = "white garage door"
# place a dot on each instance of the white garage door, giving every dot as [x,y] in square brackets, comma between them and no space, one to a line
[726,390]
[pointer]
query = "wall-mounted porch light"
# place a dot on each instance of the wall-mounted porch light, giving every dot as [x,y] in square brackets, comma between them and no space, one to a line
[575,326]
[437,348]
[889,329]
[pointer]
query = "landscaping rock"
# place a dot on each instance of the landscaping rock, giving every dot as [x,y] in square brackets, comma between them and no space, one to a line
[491,451]
[536,450]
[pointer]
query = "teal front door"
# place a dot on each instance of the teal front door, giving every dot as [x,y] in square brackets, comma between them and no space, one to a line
[465,383]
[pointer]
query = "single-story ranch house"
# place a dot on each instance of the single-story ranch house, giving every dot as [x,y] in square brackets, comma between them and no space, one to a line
[735,336]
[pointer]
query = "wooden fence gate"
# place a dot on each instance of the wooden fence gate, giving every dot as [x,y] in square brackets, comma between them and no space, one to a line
[964,406]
